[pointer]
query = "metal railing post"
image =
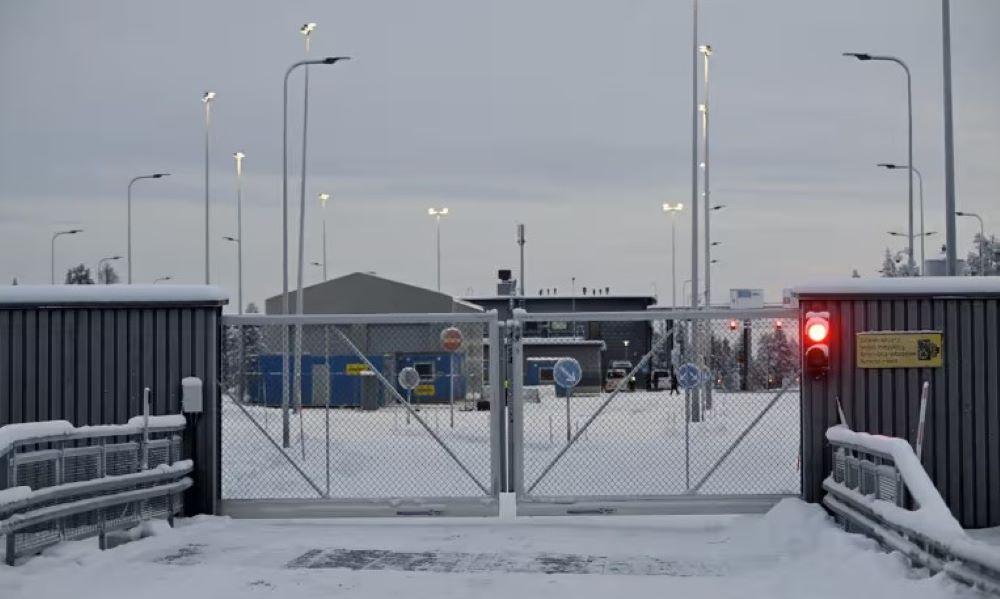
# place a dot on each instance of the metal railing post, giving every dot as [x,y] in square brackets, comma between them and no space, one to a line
[517,407]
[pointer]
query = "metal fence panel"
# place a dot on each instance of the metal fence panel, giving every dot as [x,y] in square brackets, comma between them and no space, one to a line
[312,411]
[735,434]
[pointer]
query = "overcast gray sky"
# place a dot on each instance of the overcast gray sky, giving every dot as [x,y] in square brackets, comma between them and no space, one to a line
[570,116]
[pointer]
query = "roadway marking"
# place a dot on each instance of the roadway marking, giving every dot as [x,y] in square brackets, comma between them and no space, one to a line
[541,563]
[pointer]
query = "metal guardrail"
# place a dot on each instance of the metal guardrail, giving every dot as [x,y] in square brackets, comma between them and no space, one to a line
[867,493]
[60,483]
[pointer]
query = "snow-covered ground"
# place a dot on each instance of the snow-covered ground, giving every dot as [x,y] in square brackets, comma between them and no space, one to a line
[638,446]
[794,551]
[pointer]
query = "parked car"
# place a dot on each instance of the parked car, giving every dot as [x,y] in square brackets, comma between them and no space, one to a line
[659,378]
[613,378]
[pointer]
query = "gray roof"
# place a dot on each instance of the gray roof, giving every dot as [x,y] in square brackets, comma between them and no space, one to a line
[366,293]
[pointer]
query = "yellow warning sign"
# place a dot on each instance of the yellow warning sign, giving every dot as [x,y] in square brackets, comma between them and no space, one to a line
[424,391]
[899,349]
[356,368]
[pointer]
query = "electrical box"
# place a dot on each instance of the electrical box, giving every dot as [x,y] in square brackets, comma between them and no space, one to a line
[192,395]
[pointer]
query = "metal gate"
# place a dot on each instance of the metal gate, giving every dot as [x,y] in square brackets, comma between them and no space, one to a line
[315,422]
[630,444]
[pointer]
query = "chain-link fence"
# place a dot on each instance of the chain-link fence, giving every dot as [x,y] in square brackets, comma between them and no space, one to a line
[313,408]
[707,405]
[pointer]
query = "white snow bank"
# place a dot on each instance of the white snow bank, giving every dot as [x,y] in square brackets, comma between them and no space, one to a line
[932,519]
[933,514]
[95,294]
[12,433]
[900,286]
[13,495]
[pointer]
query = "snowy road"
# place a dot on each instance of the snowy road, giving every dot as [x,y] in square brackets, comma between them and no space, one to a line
[793,552]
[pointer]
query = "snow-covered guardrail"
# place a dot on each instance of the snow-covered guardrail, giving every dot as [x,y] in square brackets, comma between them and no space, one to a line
[874,483]
[62,482]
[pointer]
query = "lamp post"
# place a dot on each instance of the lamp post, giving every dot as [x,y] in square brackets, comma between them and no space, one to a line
[694,155]
[100,264]
[53,253]
[306,31]
[982,240]
[239,267]
[239,156]
[706,50]
[909,152]
[128,217]
[920,180]
[163,278]
[437,213]
[284,232]
[951,241]
[672,210]
[206,99]
[323,198]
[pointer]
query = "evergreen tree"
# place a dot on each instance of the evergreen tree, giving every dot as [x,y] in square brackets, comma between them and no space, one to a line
[888,265]
[990,250]
[79,275]
[776,360]
[107,274]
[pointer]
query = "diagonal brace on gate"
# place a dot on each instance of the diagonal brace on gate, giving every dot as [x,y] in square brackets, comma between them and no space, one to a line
[278,447]
[618,389]
[416,415]
[739,439]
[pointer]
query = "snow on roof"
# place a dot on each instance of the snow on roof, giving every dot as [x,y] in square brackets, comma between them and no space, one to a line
[101,294]
[901,286]
[560,341]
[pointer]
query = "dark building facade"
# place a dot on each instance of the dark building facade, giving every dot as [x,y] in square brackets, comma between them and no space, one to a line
[621,340]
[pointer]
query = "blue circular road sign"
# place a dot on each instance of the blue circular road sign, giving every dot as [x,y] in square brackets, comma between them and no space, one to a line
[567,373]
[688,376]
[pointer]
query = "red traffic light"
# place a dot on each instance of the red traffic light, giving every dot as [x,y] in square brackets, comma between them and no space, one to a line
[817,326]
[733,324]
[817,352]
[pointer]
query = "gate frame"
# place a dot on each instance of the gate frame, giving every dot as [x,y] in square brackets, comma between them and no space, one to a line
[481,505]
[685,503]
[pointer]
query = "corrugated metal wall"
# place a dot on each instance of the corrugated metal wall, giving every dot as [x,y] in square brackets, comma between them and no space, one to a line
[90,364]
[962,434]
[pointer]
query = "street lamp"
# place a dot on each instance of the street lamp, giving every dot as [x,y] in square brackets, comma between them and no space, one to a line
[54,236]
[909,107]
[129,217]
[437,213]
[164,278]
[239,268]
[672,210]
[920,180]
[284,180]
[100,264]
[695,50]
[284,233]
[306,31]
[982,240]
[323,198]
[239,156]
[207,99]
[706,51]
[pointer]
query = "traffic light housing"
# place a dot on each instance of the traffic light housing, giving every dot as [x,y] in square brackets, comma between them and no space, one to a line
[816,334]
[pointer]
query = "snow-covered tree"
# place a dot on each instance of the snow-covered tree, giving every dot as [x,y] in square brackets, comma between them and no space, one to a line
[247,370]
[888,265]
[107,274]
[990,249]
[775,360]
[79,275]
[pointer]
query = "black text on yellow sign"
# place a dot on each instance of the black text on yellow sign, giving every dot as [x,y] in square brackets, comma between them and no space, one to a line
[900,349]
